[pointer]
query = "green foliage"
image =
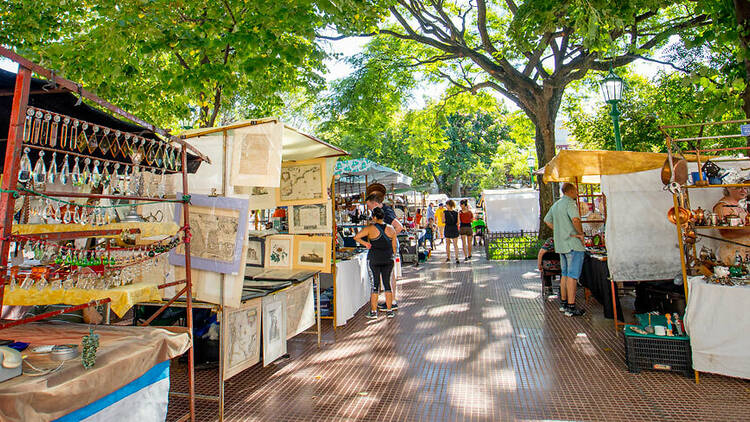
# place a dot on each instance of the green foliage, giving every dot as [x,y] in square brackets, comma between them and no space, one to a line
[669,99]
[179,62]
[518,247]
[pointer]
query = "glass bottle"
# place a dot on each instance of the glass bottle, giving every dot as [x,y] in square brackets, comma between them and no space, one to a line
[24,173]
[52,172]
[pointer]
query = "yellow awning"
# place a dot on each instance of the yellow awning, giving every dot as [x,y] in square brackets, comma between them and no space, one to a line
[587,166]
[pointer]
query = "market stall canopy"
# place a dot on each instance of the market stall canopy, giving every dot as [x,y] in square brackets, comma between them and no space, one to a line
[587,166]
[295,145]
[65,102]
[357,172]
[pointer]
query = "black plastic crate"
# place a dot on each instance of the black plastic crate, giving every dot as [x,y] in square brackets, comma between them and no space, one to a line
[664,353]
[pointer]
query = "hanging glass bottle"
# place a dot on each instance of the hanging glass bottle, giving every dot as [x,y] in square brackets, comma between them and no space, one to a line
[75,175]
[105,177]
[65,172]
[24,173]
[86,174]
[96,177]
[52,171]
[39,175]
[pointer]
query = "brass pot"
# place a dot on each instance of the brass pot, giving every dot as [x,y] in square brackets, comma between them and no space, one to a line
[685,215]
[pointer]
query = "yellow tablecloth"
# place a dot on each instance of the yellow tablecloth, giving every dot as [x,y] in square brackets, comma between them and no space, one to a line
[123,297]
[147,229]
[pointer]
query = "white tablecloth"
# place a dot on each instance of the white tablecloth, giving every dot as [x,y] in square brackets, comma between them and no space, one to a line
[717,321]
[352,287]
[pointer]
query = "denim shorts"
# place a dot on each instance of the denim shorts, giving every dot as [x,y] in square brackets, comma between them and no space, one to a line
[571,264]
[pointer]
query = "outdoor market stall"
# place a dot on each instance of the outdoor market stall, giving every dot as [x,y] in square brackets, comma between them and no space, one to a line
[637,245]
[263,281]
[61,244]
[712,236]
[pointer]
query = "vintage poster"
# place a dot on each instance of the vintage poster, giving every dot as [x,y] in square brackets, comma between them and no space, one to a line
[300,308]
[218,228]
[241,331]
[312,253]
[311,218]
[274,327]
[256,157]
[255,251]
[261,198]
[302,182]
[279,251]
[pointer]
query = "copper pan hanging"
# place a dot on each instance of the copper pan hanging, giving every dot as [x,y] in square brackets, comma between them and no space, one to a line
[674,169]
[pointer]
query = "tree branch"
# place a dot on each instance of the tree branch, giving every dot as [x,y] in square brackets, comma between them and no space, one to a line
[482,26]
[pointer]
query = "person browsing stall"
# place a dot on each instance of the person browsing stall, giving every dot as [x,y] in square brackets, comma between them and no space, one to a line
[465,217]
[451,231]
[381,244]
[374,200]
[565,221]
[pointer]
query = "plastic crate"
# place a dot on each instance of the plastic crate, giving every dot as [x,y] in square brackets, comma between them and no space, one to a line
[663,353]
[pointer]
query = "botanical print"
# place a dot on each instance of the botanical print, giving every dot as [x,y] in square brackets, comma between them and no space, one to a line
[279,251]
[313,252]
[312,218]
[302,182]
[242,336]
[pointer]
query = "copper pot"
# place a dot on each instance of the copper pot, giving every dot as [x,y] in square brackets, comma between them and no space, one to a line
[685,215]
[677,171]
[700,216]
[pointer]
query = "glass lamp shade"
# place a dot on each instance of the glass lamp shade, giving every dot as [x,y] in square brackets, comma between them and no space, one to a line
[531,161]
[611,87]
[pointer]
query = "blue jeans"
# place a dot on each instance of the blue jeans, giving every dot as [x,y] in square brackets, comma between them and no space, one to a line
[571,264]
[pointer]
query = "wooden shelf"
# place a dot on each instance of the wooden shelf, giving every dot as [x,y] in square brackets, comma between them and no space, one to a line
[728,185]
[723,227]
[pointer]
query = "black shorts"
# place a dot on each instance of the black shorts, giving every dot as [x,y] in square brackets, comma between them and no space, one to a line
[380,273]
[451,232]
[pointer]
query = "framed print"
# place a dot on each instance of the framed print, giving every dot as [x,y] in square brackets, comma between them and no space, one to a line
[279,250]
[302,182]
[241,333]
[274,327]
[311,218]
[312,253]
[261,198]
[256,156]
[255,251]
[300,308]
[218,226]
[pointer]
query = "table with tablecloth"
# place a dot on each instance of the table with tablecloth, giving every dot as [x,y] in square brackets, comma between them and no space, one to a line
[352,287]
[595,277]
[717,321]
[130,375]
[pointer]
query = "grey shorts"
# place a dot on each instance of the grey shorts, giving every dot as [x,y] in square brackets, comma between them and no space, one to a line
[465,231]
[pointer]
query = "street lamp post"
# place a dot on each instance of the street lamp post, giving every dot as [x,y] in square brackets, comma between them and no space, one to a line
[612,90]
[531,161]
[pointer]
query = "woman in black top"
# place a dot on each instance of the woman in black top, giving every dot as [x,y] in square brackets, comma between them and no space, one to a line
[381,241]
[451,230]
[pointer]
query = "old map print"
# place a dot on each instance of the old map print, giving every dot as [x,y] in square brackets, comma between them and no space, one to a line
[311,218]
[302,182]
[241,331]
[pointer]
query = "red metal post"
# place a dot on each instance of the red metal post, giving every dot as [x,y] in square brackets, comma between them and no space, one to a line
[13,152]
[164,308]
[188,285]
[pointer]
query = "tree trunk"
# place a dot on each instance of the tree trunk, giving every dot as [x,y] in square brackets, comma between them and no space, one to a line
[456,191]
[544,123]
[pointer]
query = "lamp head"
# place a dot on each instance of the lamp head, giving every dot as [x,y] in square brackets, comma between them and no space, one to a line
[611,87]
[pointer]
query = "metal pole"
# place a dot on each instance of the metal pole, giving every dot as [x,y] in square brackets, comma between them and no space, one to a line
[316,280]
[615,113]
[12,163]
[188,286]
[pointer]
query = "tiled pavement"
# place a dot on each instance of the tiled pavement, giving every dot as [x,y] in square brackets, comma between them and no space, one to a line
[471,342]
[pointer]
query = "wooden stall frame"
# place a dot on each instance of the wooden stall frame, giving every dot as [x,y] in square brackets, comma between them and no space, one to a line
[672,149]
[13,152]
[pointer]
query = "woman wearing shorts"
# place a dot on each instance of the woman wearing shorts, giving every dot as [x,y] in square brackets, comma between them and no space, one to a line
[465,217]
[382,245]
[451,230]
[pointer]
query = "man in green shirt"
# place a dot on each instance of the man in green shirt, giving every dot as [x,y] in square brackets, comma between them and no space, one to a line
[479,226]
[565,222]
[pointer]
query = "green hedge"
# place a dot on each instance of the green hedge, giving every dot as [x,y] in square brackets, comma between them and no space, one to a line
[520,247]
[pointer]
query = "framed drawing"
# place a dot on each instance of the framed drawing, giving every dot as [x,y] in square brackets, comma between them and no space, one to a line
[256,157]
[218,226]
[274,327]
[312,253]
[241,333]
[255,251]
[300,308]
[279,250]
[311,218]
[302,182]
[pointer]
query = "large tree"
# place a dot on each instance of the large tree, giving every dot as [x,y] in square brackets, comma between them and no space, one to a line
[530,51]
[181,62]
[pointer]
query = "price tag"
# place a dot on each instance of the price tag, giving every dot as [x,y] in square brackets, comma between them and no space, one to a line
[745,130]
